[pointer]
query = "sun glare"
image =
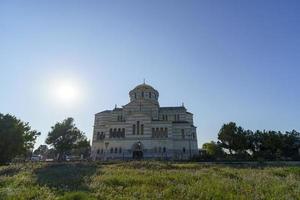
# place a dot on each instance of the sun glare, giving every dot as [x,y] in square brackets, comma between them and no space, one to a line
[66,92]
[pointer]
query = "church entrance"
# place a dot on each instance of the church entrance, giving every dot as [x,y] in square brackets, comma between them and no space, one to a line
[137,155]
[137,151]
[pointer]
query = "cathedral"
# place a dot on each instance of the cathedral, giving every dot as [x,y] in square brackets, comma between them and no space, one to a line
[142,129]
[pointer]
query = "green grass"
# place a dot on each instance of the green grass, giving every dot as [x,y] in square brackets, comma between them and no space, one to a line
[147,180]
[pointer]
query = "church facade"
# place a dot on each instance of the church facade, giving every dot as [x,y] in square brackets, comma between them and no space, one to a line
[144,130]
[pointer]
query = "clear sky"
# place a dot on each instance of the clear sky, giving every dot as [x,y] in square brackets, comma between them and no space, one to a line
[227,61]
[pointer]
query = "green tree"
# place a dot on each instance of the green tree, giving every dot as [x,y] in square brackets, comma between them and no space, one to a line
[16,138]
[41,150]
[83,148]
[226,136]
[291,144]
[213,149]
[270,145]
[65,137]
[234,138]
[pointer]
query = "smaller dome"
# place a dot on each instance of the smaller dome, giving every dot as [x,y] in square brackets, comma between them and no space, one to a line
[143,86]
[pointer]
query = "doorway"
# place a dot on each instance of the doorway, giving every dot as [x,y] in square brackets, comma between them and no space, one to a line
[137,151]
[137,155]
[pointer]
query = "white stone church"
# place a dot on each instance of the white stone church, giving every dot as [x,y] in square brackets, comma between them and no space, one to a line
[144,130]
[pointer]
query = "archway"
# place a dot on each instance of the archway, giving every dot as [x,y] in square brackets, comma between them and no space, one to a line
[137,151]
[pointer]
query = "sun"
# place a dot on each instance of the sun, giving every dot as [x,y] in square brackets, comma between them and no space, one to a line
[66,92]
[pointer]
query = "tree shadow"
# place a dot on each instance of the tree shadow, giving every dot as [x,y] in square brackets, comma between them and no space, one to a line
[66,176]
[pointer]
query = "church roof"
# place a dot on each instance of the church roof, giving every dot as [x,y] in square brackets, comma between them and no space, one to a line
[180,122]
[105,111]
[173,108]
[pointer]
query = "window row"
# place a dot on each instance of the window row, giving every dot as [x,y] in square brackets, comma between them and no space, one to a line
[183,135]
[100,136]
[120,118]
[138,128]
[159,132]
[160,149]
[119,150]
[117,133]
[149,95]
[176,117]
[165,117]
[112,150]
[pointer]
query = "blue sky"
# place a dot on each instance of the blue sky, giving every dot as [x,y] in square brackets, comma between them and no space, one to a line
[226,60]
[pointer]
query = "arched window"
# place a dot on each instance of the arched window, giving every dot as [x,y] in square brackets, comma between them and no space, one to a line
[100,136]
[166,132]
[111,150]
[133,129]
[116,150]
[142,129]
[138,127]
[98,151]
[183,149]
[123,132]
[164,149]
[120,150]
[153,130]
[101,151]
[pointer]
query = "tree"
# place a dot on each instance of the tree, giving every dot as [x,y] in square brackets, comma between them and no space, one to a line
[226,136]
[16,138]
[269,144]
[291,144]
[83,148]
[65,137]
[42,150]
[234,138]
[213,149]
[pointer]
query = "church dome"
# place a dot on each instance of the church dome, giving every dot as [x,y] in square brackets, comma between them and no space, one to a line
[144,92]
[143,86]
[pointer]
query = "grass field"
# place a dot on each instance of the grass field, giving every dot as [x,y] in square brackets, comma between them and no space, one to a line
[147,180]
